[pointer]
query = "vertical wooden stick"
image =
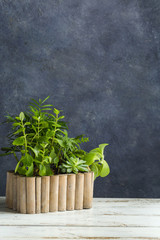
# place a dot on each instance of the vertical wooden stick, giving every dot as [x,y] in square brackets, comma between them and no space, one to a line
[87,198]
[10,190]
[7,190]
[18,193]
[30,181]
[54,186]
[38,194]
[62,194]
[14,189]
[71,184]
[79,191]
[22,194]
[45,194]
[92,184]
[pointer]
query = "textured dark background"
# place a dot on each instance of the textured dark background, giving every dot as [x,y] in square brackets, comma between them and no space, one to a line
[99,62]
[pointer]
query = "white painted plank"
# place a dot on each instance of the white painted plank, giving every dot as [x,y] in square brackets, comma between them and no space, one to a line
[77,233]
[86,218]
[108,219]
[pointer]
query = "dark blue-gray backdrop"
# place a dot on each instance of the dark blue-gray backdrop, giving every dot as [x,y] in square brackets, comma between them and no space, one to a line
[99,61]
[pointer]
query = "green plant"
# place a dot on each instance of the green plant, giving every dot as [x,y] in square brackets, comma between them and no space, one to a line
[40,143]
[95,159]
[74,165]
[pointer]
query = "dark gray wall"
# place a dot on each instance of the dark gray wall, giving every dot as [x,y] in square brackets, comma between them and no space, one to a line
[99,62]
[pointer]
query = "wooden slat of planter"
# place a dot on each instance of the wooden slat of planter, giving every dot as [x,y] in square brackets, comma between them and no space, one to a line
[30,181]
[38,195]
[88,184]
[18,193]
[7,190]
[54,187]
[92,185]
[45,186]
[62,194]
[71,183]
[22,194]
[10,190]
[79,191]
[14,189]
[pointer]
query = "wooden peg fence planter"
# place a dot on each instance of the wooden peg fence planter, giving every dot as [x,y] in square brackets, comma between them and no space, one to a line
[49,193]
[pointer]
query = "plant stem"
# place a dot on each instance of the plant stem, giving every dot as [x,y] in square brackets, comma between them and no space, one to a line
[55,128]
[15,156]
[25,139]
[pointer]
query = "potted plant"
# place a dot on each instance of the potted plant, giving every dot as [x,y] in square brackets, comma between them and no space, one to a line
[52,172]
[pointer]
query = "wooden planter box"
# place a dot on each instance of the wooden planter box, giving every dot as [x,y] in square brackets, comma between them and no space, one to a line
[49,193]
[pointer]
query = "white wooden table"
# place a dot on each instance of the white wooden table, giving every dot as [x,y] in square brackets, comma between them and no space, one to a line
[108,219]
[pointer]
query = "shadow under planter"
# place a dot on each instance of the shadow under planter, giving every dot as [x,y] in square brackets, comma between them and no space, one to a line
[49,193]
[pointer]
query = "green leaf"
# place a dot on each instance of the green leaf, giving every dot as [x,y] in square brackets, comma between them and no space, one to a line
[36,150]
[30,170]
[35,101]
[17,118]
[49,172]
[61,117]
[60,142]
[94,168]
[56,111]
[50,133]
[5,154]
[21,116]
[91,157]
[19,141]
[97,150]
[42,170]
[45,99]
[22,170]
[27,160]
[27,123]
[34,128]
[44,124]
[18,131]
[83,169]
[45,109]
[102,146]
[48,105]
[105,169]
[16,124]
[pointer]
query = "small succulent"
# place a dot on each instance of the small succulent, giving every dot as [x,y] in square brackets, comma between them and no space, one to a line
[74,165]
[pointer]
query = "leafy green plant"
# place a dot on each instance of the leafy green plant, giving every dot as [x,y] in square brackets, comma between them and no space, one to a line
[95,159]
[40,143]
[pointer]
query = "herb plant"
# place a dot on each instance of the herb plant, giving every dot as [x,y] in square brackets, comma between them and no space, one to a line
[41,146]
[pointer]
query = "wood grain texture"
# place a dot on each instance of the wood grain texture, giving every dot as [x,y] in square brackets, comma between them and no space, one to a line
[38,195]
[18,193]
[88,190]
[7,189]
[22,195]
[45,187]
[108,219]
[79,191]
[10,189]
[71,184]
[62,193]
[54,186]
[14,189]
[31,198]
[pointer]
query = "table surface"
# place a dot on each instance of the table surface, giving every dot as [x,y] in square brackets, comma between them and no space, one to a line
[110,218]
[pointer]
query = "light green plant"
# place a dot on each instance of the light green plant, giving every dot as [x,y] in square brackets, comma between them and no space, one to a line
[74,165]
[95,159]
[40,143]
